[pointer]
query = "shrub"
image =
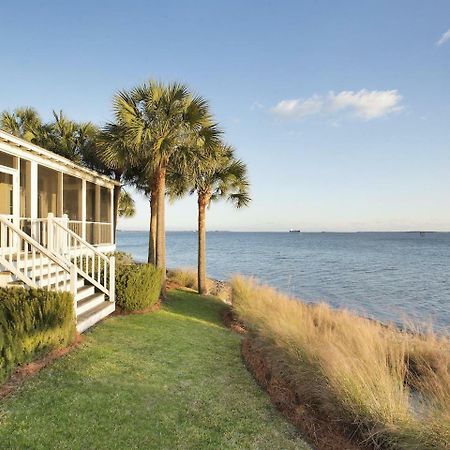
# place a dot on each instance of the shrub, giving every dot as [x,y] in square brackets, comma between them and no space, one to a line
[137,286]
[32,322]
[391,387]
[121,257]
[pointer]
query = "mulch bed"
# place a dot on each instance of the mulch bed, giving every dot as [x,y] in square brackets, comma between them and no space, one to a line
[231,322]
[22,373]
[320,432]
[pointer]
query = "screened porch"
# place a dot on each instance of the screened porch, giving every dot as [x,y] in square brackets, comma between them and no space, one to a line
[32,187]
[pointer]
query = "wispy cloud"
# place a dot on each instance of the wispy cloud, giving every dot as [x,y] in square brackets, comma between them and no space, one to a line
[256,105]
[444,38]
[363,104]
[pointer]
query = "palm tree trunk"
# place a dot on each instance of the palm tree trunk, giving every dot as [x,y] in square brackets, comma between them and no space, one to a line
[152,230]
[161,229]
[201,267]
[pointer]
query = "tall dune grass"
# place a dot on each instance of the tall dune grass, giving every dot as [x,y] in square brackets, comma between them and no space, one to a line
[389,388]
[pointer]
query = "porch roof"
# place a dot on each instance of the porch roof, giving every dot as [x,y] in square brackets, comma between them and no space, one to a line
[53,157]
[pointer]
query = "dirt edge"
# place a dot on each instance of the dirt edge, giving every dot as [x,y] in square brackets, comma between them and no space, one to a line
[320,433]
[29,370]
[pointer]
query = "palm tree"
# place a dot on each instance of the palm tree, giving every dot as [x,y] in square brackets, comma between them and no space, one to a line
[126,205]
[70,139]
[218,176]
[162,120]
[144,182]
[25,123]
[114,156]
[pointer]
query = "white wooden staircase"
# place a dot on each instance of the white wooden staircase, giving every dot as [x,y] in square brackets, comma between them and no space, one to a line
[66,263]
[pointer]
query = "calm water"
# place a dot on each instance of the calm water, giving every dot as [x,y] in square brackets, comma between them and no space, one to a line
[388,276]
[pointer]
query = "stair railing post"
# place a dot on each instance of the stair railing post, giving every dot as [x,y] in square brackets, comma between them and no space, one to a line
[65,236]
[50,231]
[112,279]
[73,284]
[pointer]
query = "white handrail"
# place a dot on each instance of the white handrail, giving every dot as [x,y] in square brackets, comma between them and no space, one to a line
[90,263]
[17,249]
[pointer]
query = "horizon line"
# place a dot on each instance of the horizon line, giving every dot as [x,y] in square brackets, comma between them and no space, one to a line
[287,231]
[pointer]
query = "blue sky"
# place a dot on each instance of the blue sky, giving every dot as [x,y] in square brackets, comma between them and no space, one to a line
[340,109]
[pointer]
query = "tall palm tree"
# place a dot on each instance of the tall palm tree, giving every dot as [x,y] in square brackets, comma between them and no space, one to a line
[144,182]
[161,120]
[218,176]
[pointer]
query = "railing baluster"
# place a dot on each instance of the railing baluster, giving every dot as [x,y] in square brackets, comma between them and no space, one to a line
[26,256]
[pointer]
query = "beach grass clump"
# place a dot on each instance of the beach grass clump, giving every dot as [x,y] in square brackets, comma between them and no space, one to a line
[187,277]
[388,388]
[184,277]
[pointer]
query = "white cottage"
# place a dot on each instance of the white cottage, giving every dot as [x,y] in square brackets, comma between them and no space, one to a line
[56,226]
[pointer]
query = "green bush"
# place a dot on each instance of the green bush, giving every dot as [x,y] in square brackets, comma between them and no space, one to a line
[32,322]
[137,286]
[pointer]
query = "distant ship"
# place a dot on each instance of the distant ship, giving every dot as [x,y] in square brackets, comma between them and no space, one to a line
[294,231]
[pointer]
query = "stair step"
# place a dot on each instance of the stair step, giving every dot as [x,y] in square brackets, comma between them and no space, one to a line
[89,303]
[94,315]
[49,280]
[84,292]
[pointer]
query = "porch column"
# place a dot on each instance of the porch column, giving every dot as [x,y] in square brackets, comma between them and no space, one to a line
[83,209]
[33,186]
[16,192]
[112,216]
[60,201]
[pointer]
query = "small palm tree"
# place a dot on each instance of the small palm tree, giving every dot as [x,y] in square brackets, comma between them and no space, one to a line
[26,124]
[126,205]
[70,139]
[114,156]
[218,176]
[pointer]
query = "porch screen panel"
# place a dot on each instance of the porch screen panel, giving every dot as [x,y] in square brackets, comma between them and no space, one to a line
[105,202]
[72,197]
[6,160]
[104,235]
[6,193]
[25,189]
[48,191]
[90,211]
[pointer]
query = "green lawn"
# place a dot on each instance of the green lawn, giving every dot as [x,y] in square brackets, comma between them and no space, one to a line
[171,379]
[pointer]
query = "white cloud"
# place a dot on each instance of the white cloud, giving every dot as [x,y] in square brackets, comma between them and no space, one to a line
[363,104]
[444,38]
[298,107]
